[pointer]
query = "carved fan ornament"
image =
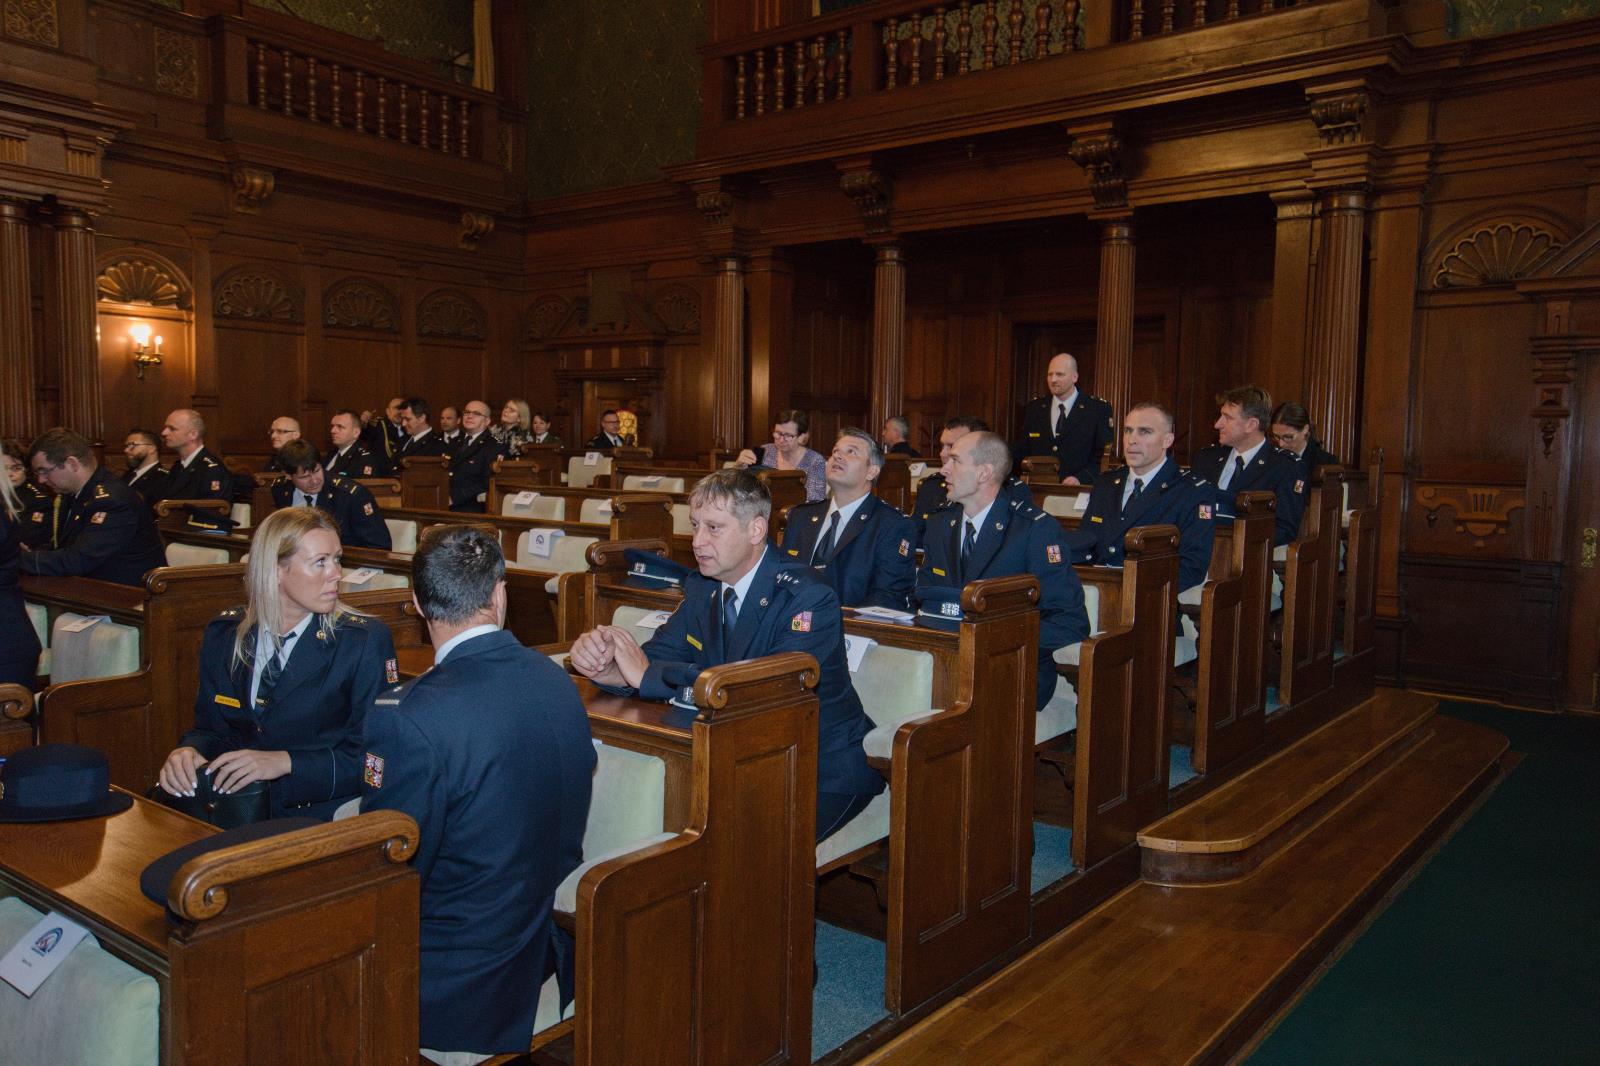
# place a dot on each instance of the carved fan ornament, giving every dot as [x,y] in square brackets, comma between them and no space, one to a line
[136,280]
[1494,255]
[544,317]
[361,305]
[255,294]
[678,308]
[450,314]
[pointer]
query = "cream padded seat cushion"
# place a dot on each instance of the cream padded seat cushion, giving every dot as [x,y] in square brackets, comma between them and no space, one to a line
[580,475]
[644,483]
[626,811]
[105,649]
[567,892]
[1091,605]
[1060,715]
[629,618]
[544,508]
[240,513]
[566,557]
[39,615]
[94,1008]
[680,520]
[1065,506]
[195,555]
[595,512]
[402,535]
[868,827]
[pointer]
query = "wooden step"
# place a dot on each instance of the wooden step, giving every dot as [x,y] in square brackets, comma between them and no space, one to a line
[1234,829]
[1141,979]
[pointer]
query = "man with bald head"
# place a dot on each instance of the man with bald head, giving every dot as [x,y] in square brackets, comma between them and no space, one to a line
[283,430]
[198,473]
[472,463]
[1068,424]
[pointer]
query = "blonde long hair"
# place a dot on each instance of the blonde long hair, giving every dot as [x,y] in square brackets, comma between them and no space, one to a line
[524,414]
[8,495]
[275,540]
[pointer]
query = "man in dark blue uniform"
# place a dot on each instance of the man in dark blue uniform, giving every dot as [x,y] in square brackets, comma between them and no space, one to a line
[853,540]
[472,461]
[383,435]
[1245,461]
[351,458]
[748,601]
[198,473]
[931,492]
[490,752]
[107,532]
[420,438]
[1151,490]
[361,523]
[1068,424]
[986,536]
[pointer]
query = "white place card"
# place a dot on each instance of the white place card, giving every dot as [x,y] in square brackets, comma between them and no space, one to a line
[40,951]
[542,542]
[591,458]
[653,479]
[885,612]
[917,469]
[1081,503]
[523,499]
[604,508]
[83,623]
[360,577]
[653,620]
[855,650]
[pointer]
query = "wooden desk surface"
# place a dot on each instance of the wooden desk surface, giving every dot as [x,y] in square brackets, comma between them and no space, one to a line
[661,720]
[91,866]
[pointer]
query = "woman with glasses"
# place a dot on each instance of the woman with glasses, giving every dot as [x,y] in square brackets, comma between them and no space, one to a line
[788,451]
[19,643]
[37,509]
[1292,431]
[286,680]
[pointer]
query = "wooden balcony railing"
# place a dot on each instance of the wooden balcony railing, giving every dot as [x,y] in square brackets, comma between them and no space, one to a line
[1151,18]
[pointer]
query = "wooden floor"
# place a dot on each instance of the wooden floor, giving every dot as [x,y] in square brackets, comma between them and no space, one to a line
[1186,974]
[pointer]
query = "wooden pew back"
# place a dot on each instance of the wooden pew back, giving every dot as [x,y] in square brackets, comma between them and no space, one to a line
[425,482]
[1309,583]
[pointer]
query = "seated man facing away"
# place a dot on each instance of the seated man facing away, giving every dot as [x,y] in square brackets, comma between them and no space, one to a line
[1151,490]
[490,752]
[360,520]
[853,540]
[985,536]
[1245,461]
[932,492]
[107,532]
[747,602]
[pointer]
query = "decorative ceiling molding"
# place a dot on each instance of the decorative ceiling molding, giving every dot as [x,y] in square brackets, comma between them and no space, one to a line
[260,294]
[1495,253]
[357,303]
[452,314]
[140,277]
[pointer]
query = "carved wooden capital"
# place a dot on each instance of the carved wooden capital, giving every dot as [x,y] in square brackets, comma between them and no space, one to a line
[1099,151]
[1340,116]
[475,226]
[715,206]
[251,187]
[873,193]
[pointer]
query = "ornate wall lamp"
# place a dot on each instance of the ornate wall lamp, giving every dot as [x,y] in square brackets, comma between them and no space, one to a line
[146,349]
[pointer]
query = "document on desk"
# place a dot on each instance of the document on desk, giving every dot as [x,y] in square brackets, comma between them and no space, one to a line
[41,949]
[885,612]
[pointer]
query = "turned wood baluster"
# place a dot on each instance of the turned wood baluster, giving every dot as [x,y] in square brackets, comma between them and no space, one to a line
[1233,10]
[383,106]
[1014,22]
[1069,32]
[404,132]
[738,86]
[844,66]
[422,136]
[1041,36]
[1136,20]
[1166,16]
[819,53]
[288,83]
[941,37]
[461,126]
[915,38]
[444,124]
[991,26]
[336,112]
[891,69]
[361,101]
[311,88]
[780,77]
[964,39]
[761,81]
[800,69]
[1199,13]
[261,76]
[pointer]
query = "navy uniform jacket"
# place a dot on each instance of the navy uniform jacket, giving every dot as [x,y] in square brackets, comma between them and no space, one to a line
[1170,497]
[315,712]
[106,533]
[602,443]
[360,521]
[490,752]
[205,478]
[1016,538]
[789,609]
[19,642]
[151,486]
[451,444]
[358,461]
[1272,470]
[903,448]
[383,439]
[931,495]
[471,467]
[431,443]
[1316,455]
[40,516]
[873,562]
[1090,427]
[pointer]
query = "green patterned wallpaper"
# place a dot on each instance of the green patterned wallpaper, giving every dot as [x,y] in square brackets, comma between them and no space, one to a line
[1480,18]
[435,32]
[613,90]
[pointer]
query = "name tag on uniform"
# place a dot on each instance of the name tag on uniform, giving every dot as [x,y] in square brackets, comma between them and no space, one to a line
[1096,518]
[694,643]
[226,701]
[939,572]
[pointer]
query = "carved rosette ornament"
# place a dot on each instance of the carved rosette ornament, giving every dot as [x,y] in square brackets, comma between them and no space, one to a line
[251,187]
[451,315]
[137,279]
[359,304]
[475,226]
[873,194]
[1100,155]
[1494,254]
[177,64]
[253,293]
[34,21]
[677,307]
[1339,117]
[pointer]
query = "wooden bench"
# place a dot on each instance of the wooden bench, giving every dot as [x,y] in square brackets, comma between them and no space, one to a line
[298,948]
[786,486]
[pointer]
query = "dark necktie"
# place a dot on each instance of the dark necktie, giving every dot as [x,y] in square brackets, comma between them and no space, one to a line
[311,500]
[827,542]
[1061,418]
[968,541]
[1238,470]
[730,618]
[271,672]
[1138,487]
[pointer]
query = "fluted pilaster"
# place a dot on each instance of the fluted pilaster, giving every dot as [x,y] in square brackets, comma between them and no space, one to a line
[71,304]
[1113,357]
[888,332]
[727,412]
[1334,347]
[16,325]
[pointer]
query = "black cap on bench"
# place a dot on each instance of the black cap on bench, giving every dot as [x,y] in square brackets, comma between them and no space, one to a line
[652,571]
[939,607]
[57,782]
[156,877]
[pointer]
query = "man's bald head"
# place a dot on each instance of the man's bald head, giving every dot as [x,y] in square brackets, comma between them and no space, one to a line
[1062,375]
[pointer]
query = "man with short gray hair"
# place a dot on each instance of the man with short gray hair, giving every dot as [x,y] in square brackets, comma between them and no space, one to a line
[854,541]
[896,431]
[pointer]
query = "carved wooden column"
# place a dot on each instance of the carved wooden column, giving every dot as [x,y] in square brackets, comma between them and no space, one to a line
[769,289]
[1334,350]
[16,325]
[70,302]
[1291,289]
[1113,332]
[888,332]
[727,347]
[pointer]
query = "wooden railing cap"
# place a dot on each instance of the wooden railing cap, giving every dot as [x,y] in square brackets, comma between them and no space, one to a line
[751,683]
[172,508]
[608,554]
[995,596]
[199,889]
[1251,502]
[642,501]
[16,702]
[1147,541]
[163,578]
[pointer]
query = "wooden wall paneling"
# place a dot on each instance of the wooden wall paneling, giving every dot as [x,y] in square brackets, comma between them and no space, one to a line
[1582,556]
[17,418]
[686,399]
[1291,280]
[1470,401]
[257,373]
[140,285]
[769,288]
[358,370]
[831,361]
[311,406]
